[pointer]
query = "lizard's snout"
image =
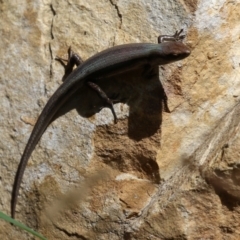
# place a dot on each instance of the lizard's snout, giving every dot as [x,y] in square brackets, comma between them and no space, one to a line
[187,51]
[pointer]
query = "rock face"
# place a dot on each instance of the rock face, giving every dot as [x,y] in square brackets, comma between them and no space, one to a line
[153,175]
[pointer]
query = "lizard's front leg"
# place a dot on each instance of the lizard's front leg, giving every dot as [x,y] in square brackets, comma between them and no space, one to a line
[173,38]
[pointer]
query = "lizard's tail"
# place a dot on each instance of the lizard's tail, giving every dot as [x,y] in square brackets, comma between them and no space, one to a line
[45,118]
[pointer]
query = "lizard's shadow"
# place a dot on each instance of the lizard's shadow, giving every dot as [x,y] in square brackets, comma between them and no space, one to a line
[143,94]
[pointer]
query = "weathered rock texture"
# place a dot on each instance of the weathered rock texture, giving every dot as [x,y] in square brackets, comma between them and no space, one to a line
[153,175]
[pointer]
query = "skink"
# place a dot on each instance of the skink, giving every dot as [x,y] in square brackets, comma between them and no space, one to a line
[107,63]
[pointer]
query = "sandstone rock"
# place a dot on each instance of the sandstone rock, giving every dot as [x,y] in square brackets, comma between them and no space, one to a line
[153,175]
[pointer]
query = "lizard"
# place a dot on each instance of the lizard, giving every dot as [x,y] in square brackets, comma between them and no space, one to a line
[109,62]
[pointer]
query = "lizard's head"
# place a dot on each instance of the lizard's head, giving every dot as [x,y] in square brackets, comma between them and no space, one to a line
[171,52]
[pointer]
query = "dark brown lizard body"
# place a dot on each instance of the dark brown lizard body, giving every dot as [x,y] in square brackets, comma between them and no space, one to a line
[109,62]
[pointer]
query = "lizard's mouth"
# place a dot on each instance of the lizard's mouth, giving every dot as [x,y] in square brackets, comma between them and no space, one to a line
[179,55]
